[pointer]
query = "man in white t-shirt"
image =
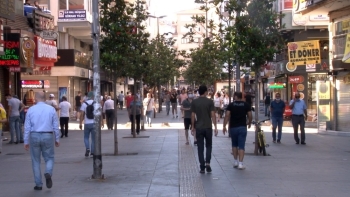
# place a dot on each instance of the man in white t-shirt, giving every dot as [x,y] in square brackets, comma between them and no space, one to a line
[89,124]
[121,99]
[64,108]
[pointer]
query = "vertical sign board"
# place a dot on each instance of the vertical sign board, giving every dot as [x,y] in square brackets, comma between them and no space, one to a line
[1,38]
[323,104]
[11,57]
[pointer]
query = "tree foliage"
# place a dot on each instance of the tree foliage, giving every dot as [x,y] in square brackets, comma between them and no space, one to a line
[124,40]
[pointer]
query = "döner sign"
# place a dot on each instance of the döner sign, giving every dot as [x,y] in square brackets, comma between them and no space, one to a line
[46,50]
[48,35]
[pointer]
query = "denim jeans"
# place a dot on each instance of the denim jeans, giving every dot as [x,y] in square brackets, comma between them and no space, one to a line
[149,115]
[167,105]
[206,134]
[15,126]
[89,129]
[267,110]
[41,144]
[277,122]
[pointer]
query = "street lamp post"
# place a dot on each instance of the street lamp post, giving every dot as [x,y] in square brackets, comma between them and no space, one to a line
[158,80]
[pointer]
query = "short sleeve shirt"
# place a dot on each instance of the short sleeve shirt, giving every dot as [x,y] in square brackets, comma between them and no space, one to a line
[203,107]
[299,107]
[83,108]
[77,101]
[64,108]
[173,98]
[238,111]
[277,108]
[15,104]
[2,116]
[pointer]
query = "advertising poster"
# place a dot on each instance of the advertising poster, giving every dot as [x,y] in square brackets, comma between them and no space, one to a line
[11,57]
[323,104]
[62,91]
[303,53]
[346,58]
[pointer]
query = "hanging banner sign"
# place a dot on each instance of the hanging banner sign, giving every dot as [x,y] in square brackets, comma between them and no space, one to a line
[346,57]
[33,84]
[304,52]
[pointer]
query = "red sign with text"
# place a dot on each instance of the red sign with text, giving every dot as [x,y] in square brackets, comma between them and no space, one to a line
[296,79]
[287,4]
[11,55]
[45,52]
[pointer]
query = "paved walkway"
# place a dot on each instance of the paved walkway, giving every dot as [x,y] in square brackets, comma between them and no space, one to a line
[162,165]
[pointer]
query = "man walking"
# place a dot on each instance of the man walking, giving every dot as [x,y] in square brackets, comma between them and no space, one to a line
[277,110]
[138,111]
[186,107]
[52,102]
[128,99]
[40,132]
[121,99]
[203,109]
[108,109]
[267,102]
[65,108]
[15,108]
[299,109]
[87,114]
[237,112]
[78,105]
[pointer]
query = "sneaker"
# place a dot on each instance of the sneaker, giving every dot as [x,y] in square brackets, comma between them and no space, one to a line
[208,168]
[195,142]
[87,152]
[48,180]
[92,155]
[278,141]
[235,164]
[274,141]
[202,171]
[241,167]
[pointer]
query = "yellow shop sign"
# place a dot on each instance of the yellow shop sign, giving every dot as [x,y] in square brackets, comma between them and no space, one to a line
[304,52]
[346,57]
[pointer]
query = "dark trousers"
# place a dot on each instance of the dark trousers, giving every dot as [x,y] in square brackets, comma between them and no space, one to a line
[64,125]
[296,121]
[110,118]
[121,104]
[137,117]
[206,134]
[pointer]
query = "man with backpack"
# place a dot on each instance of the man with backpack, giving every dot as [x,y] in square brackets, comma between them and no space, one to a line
[87,114]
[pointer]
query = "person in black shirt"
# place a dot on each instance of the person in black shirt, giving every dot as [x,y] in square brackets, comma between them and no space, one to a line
[237,112]
[267,101]
[78,104]
[173,101]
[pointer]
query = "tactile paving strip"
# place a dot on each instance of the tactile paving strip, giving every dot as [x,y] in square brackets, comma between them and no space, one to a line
[190,182]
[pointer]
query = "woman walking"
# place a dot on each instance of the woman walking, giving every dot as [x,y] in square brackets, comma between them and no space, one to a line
[148,104]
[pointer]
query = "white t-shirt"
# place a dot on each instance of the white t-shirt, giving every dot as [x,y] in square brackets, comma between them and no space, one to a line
[64,108]
[148,104]
[217,102]
[83,108]
[53,103]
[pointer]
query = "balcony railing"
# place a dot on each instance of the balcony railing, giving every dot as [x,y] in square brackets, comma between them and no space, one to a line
[71,57]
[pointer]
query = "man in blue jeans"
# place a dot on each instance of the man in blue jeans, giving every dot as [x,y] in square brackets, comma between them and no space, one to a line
[89,124]
[15,108]
[237,112]
[277,110]
[40,132]
[203,109]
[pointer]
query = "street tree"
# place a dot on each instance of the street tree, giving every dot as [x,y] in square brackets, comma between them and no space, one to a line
[123,40]
[256,37]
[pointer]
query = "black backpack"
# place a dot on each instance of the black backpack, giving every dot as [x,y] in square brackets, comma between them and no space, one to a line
[90,110]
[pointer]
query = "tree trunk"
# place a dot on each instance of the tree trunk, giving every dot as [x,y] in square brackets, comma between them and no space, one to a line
[115,122]
[134,111]
[256,118]
[159,97]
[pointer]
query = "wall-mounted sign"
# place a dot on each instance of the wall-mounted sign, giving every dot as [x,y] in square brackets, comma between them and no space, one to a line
[32,84]
[277,85]
[71,15]
[7,9]
[11,50]
[287,4]
[15,69]
[345,25]
[346,57]
[319,17]
[28,47]
[299,5]
[46,52]
[49,35]
[296,79]
[304,52]
[42,21]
